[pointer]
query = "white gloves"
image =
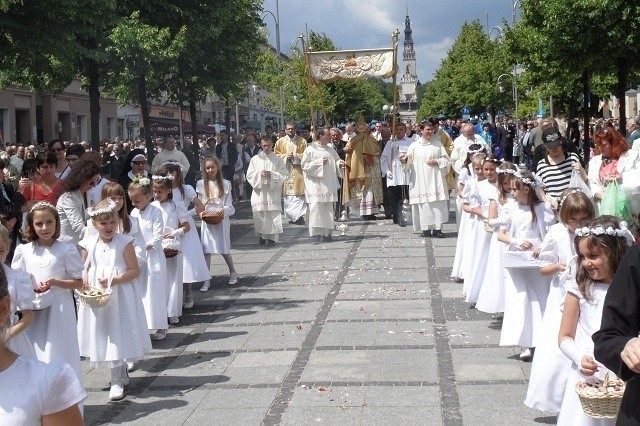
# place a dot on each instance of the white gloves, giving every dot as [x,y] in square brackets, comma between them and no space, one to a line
[389,175]
[177,233]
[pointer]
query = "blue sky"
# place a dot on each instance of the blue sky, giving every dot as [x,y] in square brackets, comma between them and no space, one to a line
[367,24]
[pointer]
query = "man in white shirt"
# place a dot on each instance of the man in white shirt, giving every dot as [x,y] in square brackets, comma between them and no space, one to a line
[397,179]
[462,143]
[170,153]
[377,133]
[349,132]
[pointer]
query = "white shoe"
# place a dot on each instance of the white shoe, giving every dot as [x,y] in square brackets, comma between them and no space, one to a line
[174,320]
[116,392]
[159,335]
[526,354]
[233,278]
[205,286]
[188,302]
[130,366]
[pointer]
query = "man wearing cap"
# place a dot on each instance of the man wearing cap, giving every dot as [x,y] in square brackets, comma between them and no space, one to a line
[555,169]
[290,149]
[170,153]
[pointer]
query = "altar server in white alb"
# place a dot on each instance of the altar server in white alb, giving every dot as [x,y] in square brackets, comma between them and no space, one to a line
[321,166]
[397,178]
[428,193]
[265,174]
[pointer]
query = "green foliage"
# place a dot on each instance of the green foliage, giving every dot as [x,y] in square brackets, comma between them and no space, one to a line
[468,76]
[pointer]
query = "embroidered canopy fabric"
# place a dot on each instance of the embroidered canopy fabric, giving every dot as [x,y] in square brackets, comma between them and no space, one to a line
[329,66]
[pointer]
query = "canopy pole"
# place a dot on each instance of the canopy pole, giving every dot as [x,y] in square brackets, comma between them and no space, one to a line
[394,44]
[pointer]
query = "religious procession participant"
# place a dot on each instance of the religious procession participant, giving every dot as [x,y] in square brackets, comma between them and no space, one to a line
[321,166]
[397,179]
[290,148]
[265,174]
[461,145]
[363,183]
[428,162]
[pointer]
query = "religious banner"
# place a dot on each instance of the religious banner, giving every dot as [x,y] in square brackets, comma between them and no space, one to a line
[329,66]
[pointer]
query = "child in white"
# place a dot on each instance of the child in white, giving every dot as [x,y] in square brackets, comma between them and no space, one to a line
[21,293]
[194,268]
[550,368]
[467,179]
[491,294]
[118,331]
[153,274]
[55,266]
[601,246]
[525,294]
[217,238]
[176,224]
[479,200]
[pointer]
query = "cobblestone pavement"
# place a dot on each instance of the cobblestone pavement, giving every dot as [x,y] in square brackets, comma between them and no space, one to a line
[367,329]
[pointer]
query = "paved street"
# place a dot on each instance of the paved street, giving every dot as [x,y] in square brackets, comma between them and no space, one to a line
[364,330]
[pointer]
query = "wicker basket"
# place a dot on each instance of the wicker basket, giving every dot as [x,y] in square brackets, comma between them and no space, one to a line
[212,217]
[94,297]
[213,212]
[600,404]
[170,247]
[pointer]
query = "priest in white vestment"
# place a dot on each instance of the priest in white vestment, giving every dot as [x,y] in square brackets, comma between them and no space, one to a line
[428,162]
[265,174]
[321,167]
[290,149]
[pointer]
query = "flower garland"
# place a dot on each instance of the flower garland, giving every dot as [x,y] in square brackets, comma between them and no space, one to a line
[41,204]
[110,208]
[622,231]
[159,178]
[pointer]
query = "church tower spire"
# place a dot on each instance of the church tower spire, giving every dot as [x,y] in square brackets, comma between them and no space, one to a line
[409,80]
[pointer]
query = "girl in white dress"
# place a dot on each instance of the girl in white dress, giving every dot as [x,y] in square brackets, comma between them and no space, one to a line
[21,288]
[600,246]
[525,294]
[550,368]
[153,274]
[491,294]
[54,265]
[118,331]
[176,224]
[479,200]
[127,225]
[194,269]
[33,392]
[468,176]
[216,238]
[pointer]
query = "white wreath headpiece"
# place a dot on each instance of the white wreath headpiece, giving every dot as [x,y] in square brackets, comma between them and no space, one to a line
[109,208]
[564,198]
[157,178]
[173,163]
[622,231]
[41,204]
[505,170]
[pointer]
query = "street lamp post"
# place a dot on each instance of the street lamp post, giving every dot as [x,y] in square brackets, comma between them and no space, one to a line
[276,19]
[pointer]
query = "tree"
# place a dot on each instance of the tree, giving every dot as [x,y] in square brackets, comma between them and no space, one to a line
[145,55]
[467,76]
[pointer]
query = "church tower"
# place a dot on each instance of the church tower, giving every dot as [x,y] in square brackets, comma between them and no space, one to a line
[407,100]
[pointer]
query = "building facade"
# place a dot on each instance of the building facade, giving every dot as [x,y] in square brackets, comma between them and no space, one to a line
[28,118]
[407,96]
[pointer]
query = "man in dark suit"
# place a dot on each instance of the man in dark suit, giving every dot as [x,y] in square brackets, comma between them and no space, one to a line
[227,154]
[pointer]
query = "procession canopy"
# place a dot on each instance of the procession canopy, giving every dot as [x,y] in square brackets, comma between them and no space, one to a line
[328,66]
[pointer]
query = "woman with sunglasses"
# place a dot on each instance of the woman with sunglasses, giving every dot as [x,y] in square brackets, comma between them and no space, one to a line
[72,204]
[62,165]
[136,165]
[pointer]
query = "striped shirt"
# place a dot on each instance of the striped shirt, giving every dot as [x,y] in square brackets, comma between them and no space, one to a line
[556,177]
